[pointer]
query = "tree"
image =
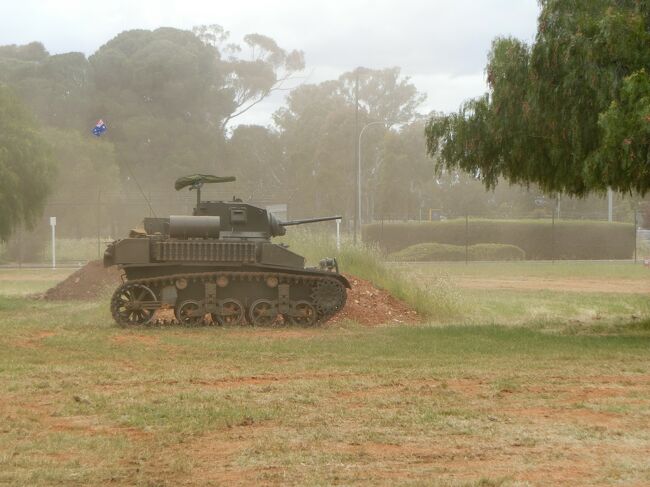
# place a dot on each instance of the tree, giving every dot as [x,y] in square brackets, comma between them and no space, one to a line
[25,169]
[570,113]
[251,76]
[162,95]
[169,94]
[317,131]
[57,89]
[254,155]
[317,128]
[86,170]
[384,94]
[404,179]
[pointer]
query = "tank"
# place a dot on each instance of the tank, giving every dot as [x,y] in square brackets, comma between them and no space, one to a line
[219,266]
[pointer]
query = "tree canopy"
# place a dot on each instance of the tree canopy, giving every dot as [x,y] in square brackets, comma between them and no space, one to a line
[25,169]
[571,112]
[317,131]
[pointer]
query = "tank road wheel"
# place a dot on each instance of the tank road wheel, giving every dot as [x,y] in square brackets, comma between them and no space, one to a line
[133,304]
[189,313]
[328,296]
[303,314]
[262,313]
[232,313]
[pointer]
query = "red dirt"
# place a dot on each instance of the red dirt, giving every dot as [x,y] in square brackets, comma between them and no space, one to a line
[85,284]
[366,304]
[370,306]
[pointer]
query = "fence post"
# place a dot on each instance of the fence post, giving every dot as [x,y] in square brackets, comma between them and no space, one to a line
[53,225]
[636,235]
[20,246]
[466,238]
[338,234]
[99,216]
[553,237]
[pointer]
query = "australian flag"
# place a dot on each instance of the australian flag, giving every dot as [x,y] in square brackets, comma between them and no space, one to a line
[99,128]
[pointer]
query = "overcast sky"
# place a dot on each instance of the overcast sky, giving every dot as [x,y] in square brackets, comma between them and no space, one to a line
[440,44]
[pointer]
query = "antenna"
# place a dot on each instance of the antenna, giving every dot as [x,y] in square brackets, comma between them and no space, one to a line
[141,191]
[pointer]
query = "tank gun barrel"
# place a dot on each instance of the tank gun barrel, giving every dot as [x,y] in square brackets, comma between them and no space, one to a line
[310,220]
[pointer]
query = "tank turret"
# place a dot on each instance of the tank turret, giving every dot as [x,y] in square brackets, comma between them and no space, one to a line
[219,265]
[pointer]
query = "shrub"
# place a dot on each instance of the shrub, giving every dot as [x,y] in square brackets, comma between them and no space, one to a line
[445,252]
[496,252]
[569,239]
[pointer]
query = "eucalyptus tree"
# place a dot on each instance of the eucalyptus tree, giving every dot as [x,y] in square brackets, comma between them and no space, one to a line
[253,69]
[56,88]
[570,112]
[169,94]
[385,95]
[317,127]
[25,168]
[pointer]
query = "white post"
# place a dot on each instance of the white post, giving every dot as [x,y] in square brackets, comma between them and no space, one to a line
[338,234]
[53,225]
[610,198]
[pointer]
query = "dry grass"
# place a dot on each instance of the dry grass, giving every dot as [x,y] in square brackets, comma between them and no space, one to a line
[553,402]
[85,403]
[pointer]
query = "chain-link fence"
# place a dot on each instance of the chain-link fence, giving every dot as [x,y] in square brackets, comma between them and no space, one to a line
[87,221]
[592,234]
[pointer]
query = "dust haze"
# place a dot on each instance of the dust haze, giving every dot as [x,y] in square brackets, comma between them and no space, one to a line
[271,104]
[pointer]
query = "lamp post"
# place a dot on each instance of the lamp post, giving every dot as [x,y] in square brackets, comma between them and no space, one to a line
[359,172]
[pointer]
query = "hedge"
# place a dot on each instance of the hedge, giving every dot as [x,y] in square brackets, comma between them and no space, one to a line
[570,239]
[444,252]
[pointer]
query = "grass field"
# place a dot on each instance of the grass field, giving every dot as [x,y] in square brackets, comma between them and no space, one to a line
[501,395]
[21,282]
[575,297]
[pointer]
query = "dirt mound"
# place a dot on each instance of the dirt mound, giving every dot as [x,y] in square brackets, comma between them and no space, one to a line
[366,304]
[86,283]
[370,306]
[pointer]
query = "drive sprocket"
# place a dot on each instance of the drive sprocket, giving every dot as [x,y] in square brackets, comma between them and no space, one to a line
[328,297]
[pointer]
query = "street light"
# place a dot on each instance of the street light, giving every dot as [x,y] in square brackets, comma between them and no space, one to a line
[358,223]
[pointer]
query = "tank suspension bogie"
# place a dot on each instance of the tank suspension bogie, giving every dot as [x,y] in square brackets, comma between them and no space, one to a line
[303,313]
[189,312]
[231,312]
[263,312]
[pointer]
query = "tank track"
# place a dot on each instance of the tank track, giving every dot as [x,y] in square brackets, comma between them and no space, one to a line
[138,302]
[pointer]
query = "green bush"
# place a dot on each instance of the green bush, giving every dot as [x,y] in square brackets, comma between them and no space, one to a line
[445,252]
[570,239]
[429,251]
[496,252]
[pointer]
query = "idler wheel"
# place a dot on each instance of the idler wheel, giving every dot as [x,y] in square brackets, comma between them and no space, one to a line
[133,304]
[189,313]
[232,313]
[262,313]
[328,296]
[303,314]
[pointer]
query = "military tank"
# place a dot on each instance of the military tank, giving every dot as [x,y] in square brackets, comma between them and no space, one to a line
[219,266]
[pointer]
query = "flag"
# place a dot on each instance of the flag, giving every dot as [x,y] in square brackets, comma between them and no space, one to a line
[99,128]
